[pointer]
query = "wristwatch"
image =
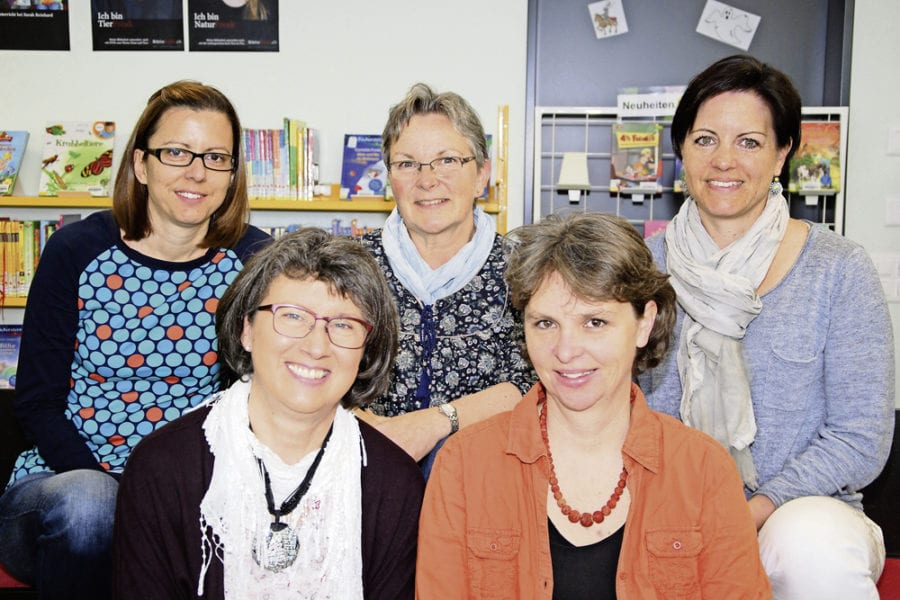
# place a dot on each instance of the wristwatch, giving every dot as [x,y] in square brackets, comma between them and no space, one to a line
[449,411]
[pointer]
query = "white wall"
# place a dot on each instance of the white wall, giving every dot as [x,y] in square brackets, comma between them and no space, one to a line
[342,64]
[872,175]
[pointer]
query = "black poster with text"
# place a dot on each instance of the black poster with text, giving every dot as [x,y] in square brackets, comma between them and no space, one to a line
[233,25]
[34,25]
[137,24]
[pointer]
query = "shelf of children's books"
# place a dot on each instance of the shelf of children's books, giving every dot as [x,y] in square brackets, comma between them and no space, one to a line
[320,204]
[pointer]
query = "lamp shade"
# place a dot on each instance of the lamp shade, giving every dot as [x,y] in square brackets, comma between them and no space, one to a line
[573,174]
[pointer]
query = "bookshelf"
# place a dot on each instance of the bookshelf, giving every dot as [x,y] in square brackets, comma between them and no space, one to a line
[323,204]
[561,129]
[320,204]
[27,207]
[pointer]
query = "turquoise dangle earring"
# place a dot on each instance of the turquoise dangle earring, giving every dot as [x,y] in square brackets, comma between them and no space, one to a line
[775,188]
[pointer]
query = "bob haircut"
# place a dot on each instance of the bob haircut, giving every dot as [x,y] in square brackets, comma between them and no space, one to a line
[422,100]
[740,73]
[348,269]
[602,258]
[130,196]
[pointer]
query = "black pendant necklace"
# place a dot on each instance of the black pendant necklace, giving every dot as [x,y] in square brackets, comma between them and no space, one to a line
[282,543]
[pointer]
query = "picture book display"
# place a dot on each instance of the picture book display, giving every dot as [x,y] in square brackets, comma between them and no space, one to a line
[363,172]
[816,166]
[77,158]
[635,165]
[12,150]
[678,185]
[10,338]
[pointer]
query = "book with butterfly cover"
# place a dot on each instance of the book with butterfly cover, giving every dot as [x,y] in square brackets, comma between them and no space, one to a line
[12,150]
[77,158]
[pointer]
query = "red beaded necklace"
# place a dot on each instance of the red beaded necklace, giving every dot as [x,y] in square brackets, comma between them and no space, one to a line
[574,516]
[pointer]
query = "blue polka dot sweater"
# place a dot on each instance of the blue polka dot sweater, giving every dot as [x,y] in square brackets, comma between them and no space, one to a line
[115,344]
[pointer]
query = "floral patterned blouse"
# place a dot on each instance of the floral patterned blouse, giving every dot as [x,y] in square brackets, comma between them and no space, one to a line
[460,345]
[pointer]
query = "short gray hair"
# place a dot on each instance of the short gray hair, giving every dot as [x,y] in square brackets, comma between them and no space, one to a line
[422,100]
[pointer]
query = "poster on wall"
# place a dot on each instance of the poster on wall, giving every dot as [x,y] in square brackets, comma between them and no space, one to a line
[137,24]
[233,25]
[728,24]
[34,25]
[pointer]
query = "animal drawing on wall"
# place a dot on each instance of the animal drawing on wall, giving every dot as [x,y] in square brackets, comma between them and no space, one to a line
[608,18]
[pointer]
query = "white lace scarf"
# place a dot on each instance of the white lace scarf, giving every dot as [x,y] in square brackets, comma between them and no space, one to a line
[425,283]
[717,290]
[328,519]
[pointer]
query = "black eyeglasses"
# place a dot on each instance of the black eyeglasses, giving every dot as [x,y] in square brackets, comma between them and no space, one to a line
[297,322]
[445,165]
[179,157]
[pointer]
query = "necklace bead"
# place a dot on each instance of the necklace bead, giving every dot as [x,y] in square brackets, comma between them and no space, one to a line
[575,516]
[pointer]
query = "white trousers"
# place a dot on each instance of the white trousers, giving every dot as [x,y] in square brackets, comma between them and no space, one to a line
[821,548]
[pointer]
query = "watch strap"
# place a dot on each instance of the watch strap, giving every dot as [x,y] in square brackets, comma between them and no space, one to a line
[449,411]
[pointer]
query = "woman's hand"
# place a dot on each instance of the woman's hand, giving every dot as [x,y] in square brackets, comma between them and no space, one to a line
[416,432]
[761,508]
[419,432]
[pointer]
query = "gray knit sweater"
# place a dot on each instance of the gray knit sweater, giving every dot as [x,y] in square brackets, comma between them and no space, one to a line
[820,358]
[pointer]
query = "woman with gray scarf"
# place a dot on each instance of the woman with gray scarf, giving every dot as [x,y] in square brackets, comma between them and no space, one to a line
[784,349]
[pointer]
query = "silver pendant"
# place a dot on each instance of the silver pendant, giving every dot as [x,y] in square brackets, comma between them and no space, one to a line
[282,548]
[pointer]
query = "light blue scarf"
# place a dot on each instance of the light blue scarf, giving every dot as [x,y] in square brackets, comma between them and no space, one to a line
[425,283]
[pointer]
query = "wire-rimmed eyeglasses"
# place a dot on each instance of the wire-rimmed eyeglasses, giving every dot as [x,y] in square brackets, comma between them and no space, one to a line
[180,157]
[297,322]
[444,165]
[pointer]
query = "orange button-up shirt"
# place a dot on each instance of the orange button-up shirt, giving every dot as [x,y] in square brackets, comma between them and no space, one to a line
[483,527]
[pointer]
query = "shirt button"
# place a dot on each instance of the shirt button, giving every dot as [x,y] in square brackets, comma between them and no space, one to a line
[493,546]
[676,545]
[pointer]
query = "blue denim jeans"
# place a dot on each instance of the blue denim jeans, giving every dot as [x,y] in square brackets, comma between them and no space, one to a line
[56,533]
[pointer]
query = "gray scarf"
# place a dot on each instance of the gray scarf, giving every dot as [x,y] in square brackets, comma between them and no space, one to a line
[717,290]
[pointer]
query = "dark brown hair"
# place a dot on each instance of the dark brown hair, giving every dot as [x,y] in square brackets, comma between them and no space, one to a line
[740,73]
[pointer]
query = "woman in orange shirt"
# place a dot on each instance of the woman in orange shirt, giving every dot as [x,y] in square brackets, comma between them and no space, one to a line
[581,491]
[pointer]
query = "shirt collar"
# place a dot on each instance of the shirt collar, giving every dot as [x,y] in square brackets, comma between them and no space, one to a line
[643,442]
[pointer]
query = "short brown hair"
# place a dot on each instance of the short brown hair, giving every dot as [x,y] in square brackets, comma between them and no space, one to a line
[348,269]
[130,196]
[602,258]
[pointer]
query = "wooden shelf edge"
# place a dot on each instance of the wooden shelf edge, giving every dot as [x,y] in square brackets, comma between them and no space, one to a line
[320,204]
[323,203]
[16,302]
[56,201]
